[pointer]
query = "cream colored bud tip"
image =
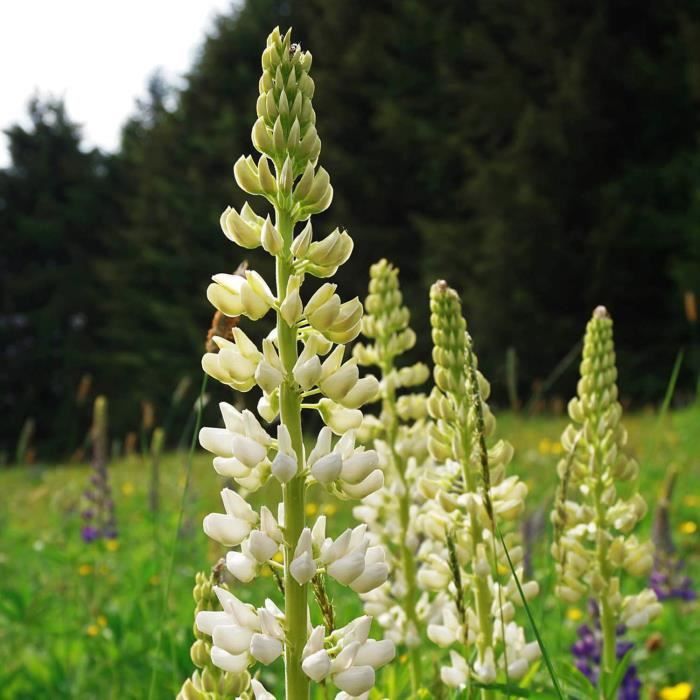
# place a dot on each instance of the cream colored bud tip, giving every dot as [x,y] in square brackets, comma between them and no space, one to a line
[441,286]
[600,312]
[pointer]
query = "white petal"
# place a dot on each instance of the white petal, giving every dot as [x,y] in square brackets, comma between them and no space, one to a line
[373,576]
[284,467]
[260,691]
[372,483]
[356,680]
[230,466]
[303,568]
[262,547]
[265,649]
[229,662]
[248,451]
[349,567]
[225,529]
[242,567]
[359,466]
[207,620]
[317,665]
[217,440]
[315,641]
[375,653]
[327,469]
[237,506]
[232,638]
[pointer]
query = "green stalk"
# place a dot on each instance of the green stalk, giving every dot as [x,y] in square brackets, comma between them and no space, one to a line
[608,622]
[296,681]
[483,594]
[408,563]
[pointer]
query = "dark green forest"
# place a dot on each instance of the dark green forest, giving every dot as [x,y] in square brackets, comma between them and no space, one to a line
[542,156]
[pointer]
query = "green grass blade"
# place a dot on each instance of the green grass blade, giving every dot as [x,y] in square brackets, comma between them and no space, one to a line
[173,550]
[671,387]
[545,654]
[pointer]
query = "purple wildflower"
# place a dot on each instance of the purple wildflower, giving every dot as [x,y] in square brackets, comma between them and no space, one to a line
[99,518]
[668,581]
[587,652]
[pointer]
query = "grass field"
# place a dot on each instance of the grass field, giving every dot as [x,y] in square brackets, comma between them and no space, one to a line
[82,620]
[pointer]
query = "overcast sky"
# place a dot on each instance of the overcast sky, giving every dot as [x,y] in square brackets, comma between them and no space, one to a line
[96,54]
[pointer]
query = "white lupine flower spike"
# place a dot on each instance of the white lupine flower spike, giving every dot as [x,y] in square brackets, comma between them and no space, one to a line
[464,562]
[594,463]
[316,378]
[386,477]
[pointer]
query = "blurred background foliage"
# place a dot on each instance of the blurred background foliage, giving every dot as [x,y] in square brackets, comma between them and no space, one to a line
[542,156]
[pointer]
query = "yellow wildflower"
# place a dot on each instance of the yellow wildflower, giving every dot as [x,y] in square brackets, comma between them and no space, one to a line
[330,509]
[544,447]
[127,488]
[112,545]
[688,527]
[92,630]
[311,509]
[691,500]
[85,569]
[573,614]
[154,580]
[102,621]
[681,691]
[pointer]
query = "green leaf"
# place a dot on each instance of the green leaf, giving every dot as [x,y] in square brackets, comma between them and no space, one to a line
[616,679]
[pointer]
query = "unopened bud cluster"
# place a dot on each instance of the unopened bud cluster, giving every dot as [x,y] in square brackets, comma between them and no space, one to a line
[464,562]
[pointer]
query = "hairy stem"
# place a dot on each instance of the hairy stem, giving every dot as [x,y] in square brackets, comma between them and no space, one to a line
[482,593]
[408,564]
[296,681]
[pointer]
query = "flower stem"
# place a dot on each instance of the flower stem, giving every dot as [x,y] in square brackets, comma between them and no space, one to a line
[296,681]
[408,563]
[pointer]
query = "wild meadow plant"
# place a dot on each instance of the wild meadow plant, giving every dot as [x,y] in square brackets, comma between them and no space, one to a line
[98,515]
[594,545]
[437,554]
[465,562]
[289,368]
[399,435]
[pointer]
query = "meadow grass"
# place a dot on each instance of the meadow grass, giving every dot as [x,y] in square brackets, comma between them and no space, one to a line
[82,620]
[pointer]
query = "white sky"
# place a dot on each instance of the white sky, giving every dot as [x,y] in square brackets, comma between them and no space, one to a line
[96,54]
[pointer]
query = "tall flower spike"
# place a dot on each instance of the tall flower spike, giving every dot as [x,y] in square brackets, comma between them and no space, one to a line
[209,682]
[99,516]
[465,561]
[286,175]
[399,436]
[595,545]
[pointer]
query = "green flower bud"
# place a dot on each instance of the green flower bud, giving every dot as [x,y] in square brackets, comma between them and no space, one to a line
[338,418]
[189,692]
[291,308]
[301,243]
[326,256]
[270,238]
[243,232]
[268,184]
[247,176]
